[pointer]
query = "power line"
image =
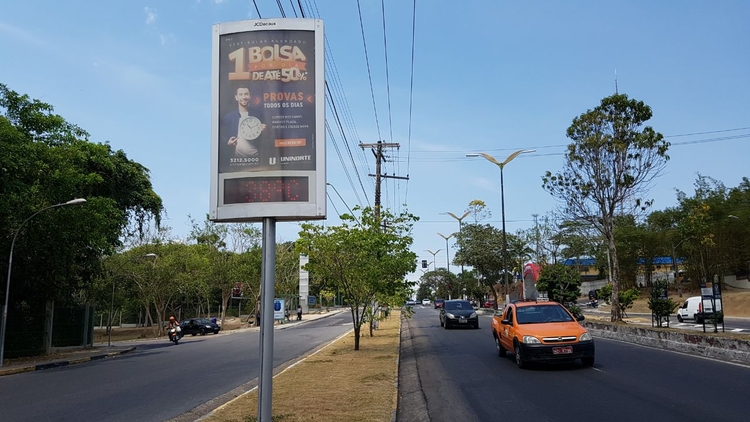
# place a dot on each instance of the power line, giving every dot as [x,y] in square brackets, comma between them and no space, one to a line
[346,143]
[387,72]
[411,95]
[346,170]
[281,8]
[396,186]
[369,73]
[333,79]
[706,133]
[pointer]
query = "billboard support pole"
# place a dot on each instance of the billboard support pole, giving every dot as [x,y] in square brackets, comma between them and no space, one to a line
[265,384]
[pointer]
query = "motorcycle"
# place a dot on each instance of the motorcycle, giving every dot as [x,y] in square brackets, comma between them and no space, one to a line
[593,303]
[175,334]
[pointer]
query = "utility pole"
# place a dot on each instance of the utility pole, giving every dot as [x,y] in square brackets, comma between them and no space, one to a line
[377,150]
[537,237]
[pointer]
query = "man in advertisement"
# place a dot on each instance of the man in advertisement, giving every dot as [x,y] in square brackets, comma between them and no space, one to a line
[267,101]
[242,138]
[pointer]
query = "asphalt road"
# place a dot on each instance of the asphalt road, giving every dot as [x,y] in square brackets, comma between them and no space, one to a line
[159,380]
[460,377]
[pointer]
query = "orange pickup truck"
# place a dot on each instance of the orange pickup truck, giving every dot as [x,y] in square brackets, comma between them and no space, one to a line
[541,332]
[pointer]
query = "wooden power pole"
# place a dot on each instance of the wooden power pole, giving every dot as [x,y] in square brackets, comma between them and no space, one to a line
[377,150]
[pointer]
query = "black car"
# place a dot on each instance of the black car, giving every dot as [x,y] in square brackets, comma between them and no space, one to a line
[200,326]
[458,313]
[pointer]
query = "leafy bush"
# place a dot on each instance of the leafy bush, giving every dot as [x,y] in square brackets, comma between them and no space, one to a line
[661,307]
[561,282]
[626,297]
[605,293]
[573,308]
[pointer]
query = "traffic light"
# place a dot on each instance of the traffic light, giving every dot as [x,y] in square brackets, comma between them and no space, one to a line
[424,263]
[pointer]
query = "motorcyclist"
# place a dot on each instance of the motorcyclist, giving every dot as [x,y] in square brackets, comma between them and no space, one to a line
[593,298]
[172,324]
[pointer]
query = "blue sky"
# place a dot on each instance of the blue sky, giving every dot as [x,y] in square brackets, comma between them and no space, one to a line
[489,76]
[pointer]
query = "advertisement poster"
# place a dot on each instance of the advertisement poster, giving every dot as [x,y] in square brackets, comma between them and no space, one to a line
[267,113]
[268,157]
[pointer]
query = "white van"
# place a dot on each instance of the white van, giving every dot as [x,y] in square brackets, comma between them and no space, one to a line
[697,309]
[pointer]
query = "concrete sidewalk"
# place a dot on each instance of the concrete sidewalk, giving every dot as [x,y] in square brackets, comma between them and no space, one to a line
[102,351]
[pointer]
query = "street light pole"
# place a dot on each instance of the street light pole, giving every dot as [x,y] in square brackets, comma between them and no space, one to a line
[10,265]
[502,204]
[434,263]
[460,227]
[447,256]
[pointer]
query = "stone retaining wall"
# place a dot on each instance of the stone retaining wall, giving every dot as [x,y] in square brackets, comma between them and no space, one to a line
[701,344]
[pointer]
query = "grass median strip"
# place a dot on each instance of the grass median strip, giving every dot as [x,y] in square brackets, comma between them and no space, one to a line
[337,384]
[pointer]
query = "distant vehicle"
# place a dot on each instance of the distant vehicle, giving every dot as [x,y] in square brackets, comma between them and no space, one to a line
[411,302]
[458,313]
[696,309]
[425,302]
[200,326]
[541,332]
[489,303]
[439,303]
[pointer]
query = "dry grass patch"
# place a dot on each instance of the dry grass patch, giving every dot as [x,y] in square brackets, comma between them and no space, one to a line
[338,384]
[736,303]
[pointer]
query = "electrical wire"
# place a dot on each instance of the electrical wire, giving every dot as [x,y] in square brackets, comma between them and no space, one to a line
[346,170]
[281,8]
[257,10]
[411,97]
[369,73]
[387,73]
[346,143]
[340,105]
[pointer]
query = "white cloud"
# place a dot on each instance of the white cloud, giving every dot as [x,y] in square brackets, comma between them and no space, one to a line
[167,39]
[21,34]
[150,15]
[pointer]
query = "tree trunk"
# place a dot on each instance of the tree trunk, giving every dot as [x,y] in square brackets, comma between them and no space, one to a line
[616,314]
[225,297]
[497,298]
[357,323]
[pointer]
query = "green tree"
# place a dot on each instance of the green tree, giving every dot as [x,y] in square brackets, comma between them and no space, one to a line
[481,246]
[608,168]
[361,257]
[625,297]
[229,261]
[661,306]
[46,160]
[478,210]
[426,288]
[561,282]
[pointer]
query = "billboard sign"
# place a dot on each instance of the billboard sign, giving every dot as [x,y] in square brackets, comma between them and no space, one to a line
[268,121]
[279,305]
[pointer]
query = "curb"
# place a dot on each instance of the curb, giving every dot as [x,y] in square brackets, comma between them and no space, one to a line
[68,362]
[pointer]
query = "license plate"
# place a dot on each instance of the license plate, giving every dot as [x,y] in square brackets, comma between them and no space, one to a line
[562,350]
[462,321]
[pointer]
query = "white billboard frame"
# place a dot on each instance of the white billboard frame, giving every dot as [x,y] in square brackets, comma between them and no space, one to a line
[314,208]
